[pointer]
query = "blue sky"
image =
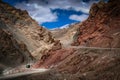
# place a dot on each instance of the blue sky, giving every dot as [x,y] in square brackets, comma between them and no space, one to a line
[63,18]
[55,13]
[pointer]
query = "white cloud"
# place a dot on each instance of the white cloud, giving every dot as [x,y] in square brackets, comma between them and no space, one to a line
[79,17]
[40,13]
[77,5]
[40,10]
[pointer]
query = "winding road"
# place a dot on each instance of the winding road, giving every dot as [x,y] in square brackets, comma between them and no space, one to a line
[31,71]
[22,70]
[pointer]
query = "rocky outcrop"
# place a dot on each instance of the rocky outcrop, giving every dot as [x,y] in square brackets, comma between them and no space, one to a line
[82,63]
[52,58]
[102,28]
[12,53]
[101,59]
[26,30]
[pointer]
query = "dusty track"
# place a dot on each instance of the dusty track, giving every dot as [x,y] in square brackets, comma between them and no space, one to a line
[32,71]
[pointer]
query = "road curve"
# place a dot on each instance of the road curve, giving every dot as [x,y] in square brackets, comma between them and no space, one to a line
[33,71]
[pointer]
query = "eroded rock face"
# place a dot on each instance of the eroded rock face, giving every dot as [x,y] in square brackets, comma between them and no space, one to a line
[26,30]
[83,63]
[12,53]
[52,58]
[77,63]
[102,28]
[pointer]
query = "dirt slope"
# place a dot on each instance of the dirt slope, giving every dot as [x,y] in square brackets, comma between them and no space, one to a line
[65,35]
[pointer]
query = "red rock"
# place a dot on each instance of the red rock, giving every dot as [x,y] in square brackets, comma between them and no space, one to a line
[99,29]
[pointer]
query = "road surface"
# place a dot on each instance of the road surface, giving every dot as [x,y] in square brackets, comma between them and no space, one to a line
[32,71]
[8,74]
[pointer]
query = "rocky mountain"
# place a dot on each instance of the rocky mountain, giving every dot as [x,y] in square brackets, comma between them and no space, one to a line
[12,53]
[97,54]
[26,30]
[102,28]
[65,35]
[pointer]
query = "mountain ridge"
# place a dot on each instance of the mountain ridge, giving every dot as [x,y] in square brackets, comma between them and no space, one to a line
[92,55]
[101,29]
[25,29]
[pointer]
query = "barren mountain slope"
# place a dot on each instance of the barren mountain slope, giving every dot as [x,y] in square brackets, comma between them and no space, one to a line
[102,28]
[90,63]
[26,30]
[12,53]
[65,35]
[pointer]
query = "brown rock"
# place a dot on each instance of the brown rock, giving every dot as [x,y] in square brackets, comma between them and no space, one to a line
[11,53]
[25,29]
[99,29]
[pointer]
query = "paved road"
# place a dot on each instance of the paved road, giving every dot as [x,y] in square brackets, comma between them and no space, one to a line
[32,71]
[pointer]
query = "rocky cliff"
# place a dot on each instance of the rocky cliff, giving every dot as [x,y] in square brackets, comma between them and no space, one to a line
[94,62]
[102,28]
[26,30]
[12,53]
[99,59]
